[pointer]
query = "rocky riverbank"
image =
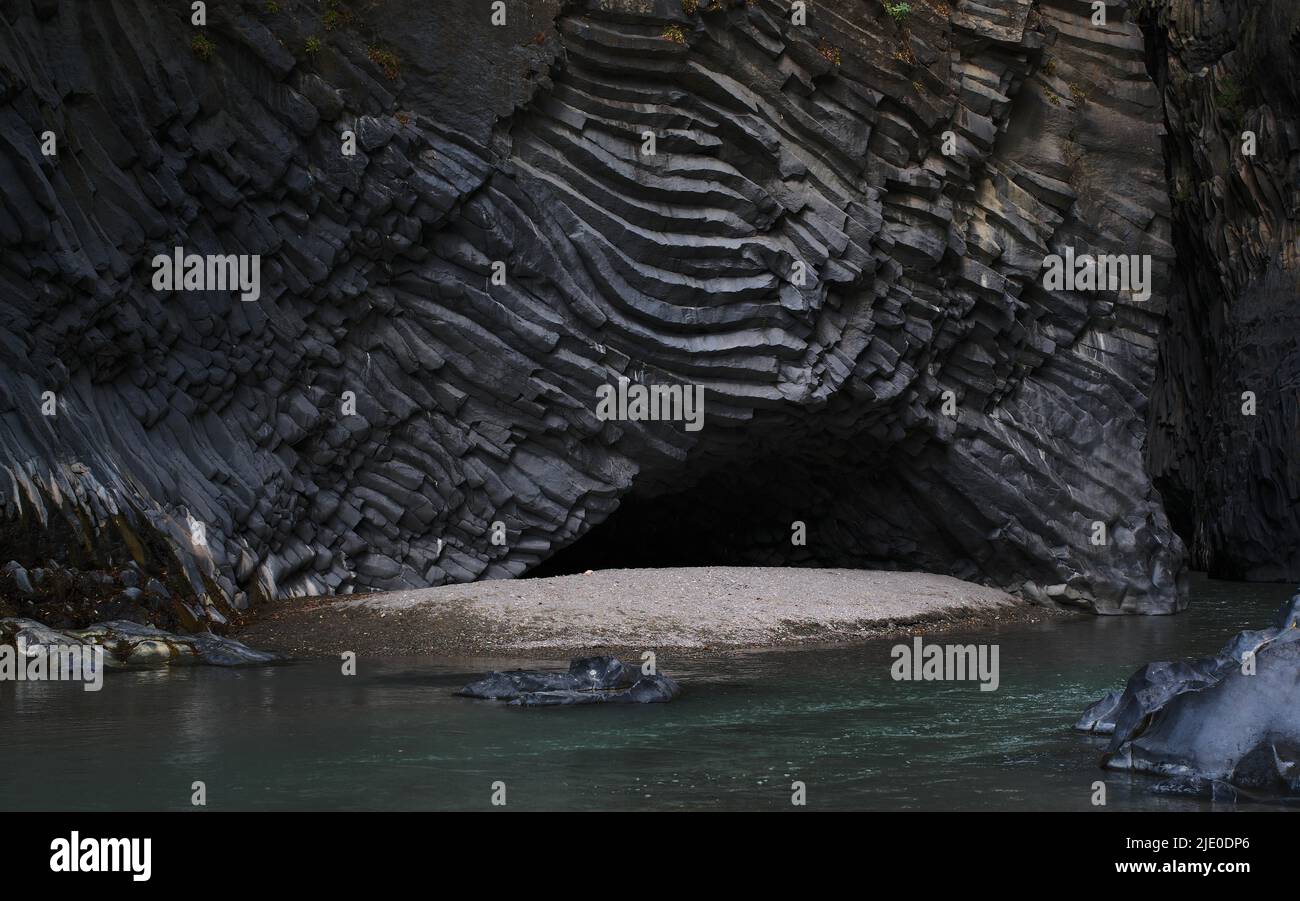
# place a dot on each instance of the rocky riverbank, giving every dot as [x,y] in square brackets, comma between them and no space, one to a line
[131,645]
[64,597]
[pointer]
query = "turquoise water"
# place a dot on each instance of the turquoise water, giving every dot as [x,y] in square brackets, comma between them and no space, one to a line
[302,736]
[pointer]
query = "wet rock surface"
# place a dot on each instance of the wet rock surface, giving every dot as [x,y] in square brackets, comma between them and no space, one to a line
[1226,726]
[131,645]
[386,400]
[590,680]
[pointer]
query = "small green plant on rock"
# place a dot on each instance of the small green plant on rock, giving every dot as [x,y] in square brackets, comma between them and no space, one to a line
[313,46]
[897,11]
[675,33]
[387,61]
[690,7]
[270,7]
[336,16]
[830,53]
[202,47]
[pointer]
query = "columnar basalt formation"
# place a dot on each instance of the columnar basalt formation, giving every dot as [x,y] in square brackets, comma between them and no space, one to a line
[1226,409]
[865,311]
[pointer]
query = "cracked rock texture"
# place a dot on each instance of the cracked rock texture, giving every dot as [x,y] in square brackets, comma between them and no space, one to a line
[1231,480]
[207,437]
[590,680]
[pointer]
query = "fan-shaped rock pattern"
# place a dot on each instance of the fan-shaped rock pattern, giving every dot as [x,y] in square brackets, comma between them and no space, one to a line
[212,436]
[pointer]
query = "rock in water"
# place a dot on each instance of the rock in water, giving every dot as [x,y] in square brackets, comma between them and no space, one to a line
[1225,725]
[585,674]
[590,680]
[654,689]
[131,645]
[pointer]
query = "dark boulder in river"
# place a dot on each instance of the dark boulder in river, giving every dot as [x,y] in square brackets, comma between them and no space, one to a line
[590,680]
[1226,725]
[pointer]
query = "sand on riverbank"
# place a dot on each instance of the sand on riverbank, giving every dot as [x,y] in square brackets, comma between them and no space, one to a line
[685,610]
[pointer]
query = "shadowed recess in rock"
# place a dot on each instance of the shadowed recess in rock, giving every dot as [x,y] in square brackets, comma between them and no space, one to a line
[1226,404]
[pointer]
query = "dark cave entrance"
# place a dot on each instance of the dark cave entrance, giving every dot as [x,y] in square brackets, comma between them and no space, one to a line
[739,517]
[853,511]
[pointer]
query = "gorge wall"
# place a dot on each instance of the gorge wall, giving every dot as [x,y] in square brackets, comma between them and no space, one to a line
[866,313]
[1226,410]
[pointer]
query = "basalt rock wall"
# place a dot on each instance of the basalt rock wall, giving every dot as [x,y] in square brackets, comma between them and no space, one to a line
[865,312]
[1226,408]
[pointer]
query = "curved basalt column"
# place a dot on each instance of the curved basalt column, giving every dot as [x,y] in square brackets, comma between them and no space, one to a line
[1224,436]
[212,434]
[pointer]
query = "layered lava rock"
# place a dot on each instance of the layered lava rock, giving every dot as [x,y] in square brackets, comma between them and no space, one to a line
[1226,410]
[865,312]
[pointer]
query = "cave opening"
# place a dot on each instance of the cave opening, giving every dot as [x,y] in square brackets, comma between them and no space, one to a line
[727,518]
[825,504]
[743,515]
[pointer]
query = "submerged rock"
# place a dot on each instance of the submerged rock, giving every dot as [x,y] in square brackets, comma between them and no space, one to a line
[131,645]
[1223,726]
[590,680]
[585,674]
[1099,716]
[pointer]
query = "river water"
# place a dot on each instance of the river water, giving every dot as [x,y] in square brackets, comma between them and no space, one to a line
[302,736]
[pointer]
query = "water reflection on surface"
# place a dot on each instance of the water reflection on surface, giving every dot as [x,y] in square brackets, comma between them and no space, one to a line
[302,736]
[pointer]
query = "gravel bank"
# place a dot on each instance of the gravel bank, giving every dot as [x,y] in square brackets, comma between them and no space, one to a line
[685,610]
